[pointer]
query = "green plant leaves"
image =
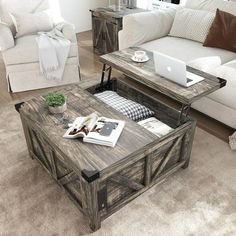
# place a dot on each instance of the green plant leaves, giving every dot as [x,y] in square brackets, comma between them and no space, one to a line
[55,99]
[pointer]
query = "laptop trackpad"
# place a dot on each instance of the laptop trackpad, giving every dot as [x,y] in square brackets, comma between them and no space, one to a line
[193,77]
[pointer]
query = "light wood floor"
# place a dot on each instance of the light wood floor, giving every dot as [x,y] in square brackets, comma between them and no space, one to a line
[91,67]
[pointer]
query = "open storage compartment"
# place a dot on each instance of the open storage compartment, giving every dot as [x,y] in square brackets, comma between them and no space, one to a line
[163,112]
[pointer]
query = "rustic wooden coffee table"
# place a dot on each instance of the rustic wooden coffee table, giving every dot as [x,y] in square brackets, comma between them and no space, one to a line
[98,179]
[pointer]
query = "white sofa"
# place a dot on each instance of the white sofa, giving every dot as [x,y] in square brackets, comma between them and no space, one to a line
[150,31]
[20,55]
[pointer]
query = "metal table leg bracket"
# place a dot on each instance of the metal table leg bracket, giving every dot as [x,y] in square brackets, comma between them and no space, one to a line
[183,113]
[106,75]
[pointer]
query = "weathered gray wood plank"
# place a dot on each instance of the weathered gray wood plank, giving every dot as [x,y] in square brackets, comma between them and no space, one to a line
[129,198]
[167,157]
[145,73]
[106,25]
[68,178]
[122,180]
[148,170]
[90,203]
[105,12]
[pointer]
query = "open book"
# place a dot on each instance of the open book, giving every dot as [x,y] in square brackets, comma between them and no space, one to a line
[97,130]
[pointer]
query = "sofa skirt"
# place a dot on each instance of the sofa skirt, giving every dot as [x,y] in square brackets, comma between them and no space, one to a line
[216,110]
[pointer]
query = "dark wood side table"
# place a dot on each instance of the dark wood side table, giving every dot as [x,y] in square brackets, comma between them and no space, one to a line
[105,27]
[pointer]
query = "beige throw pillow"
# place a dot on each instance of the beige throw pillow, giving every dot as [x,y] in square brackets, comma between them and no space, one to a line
[192,24]
[32,23]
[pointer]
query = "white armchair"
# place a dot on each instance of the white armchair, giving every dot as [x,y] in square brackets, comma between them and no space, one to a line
[20,54]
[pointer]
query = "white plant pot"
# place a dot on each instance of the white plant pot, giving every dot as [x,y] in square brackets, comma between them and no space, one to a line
[58,110]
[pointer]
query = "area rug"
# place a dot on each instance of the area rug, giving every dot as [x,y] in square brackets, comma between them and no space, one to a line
[200,200]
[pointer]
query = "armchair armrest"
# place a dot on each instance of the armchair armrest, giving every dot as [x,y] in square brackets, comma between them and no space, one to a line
[68,30]
[145,26]
[6,37]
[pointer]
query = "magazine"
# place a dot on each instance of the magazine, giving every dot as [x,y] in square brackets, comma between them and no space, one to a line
[96,130]
[155,126]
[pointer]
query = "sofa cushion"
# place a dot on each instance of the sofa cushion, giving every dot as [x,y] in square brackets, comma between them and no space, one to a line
[222,33]
[35,66]
[189,51]
[26,51]
[226,95]
[212,5]
[215,61]
[196,24]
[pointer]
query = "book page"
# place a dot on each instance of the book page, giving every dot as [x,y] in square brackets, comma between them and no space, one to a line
[94,135]
[81,126]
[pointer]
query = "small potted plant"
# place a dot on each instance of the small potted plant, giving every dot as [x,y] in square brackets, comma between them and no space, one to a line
[56,102]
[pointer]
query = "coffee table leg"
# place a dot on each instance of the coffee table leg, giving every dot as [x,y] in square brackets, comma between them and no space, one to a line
[187,144]
[90,187]
[92,204]
[183,113]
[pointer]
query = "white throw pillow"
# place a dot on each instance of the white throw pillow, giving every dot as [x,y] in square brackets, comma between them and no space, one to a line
[22,7]
[192,24]
[32,23]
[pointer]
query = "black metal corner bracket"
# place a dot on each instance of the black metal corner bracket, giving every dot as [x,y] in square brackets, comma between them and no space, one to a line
[222,82]
[183,113]
[90,175]
[18,106]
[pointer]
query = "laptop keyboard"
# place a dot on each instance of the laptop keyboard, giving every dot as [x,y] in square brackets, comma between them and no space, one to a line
[189,80]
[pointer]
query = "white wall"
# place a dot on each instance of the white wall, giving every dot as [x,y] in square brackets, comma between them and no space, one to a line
[77,12]
[147,4]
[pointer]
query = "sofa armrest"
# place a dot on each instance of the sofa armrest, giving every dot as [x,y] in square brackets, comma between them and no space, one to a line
[6,37]
[145,26]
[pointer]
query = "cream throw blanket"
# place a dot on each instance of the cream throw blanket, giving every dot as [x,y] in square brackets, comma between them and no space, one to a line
[53,52]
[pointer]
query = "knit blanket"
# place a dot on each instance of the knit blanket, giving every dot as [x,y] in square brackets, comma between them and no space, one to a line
[53,50]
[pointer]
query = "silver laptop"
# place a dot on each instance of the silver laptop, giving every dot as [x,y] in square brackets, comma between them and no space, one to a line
[174,70]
